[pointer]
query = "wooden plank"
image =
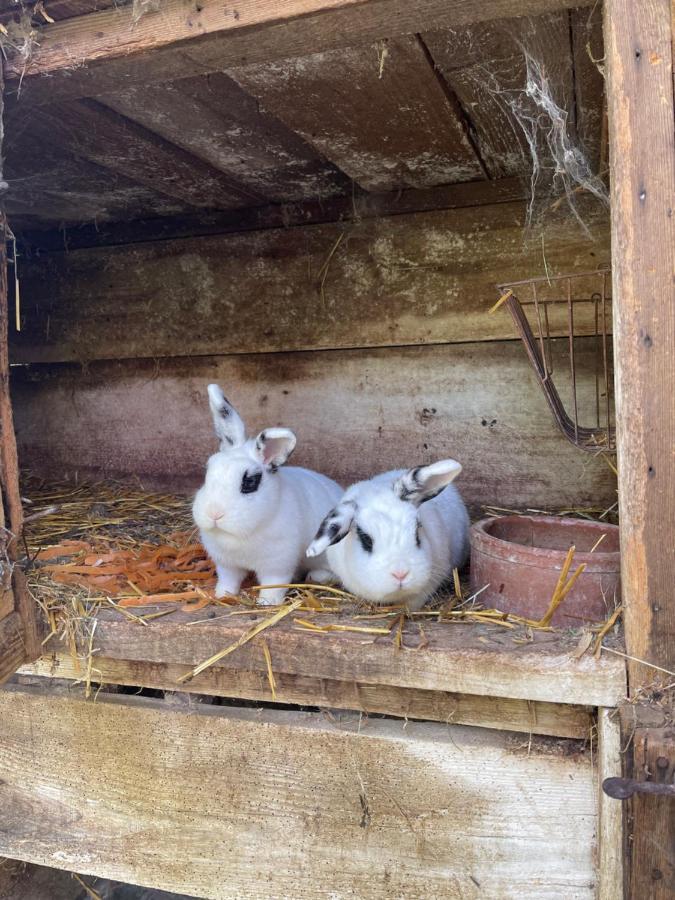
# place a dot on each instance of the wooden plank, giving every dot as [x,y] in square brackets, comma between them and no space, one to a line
[426,278]
[378,112]
[89,130]
[478,402]
[610,812]
[266,804]
[12,647]
[113,33]
[454,660]
[501,713]
[113,52]
[75,191]
[485,65]
[589,85]
[652,871]
[213,118]
[642,143]
[343,209]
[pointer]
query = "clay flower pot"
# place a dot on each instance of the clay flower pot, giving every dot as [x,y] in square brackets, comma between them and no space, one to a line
[520,557]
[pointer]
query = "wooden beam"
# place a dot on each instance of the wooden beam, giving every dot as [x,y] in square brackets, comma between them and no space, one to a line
[504,714]
[214,35]
[279,215]
[89,130]
[452,660]
[638,39]
[286,804]
[146,300]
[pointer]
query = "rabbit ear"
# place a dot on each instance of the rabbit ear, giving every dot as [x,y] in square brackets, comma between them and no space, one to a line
[426,482]
[273,446]
[227,421]
[334,527]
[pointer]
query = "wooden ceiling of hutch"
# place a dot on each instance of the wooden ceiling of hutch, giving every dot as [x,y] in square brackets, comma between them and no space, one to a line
[185,135]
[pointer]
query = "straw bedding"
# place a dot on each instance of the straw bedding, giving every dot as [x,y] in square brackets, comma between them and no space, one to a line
[109,545]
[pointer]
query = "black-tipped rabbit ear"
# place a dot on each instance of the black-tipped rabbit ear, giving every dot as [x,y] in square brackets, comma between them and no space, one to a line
[274,445]
[229,426]
[426,482]
[334,527]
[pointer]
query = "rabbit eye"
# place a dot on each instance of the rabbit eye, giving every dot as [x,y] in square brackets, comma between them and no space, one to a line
[365,540]
[250,482]
[418,531]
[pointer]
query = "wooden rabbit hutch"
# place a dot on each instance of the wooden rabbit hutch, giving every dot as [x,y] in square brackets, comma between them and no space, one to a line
[312,203]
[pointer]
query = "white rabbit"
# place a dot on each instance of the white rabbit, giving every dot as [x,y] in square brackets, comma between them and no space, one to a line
[387,544]
[255,516]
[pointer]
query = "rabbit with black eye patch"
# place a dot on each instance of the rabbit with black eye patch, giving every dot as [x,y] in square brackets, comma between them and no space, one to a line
[254,515]
[397,537]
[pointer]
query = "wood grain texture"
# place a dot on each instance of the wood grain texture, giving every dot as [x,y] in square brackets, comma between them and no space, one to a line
[212,38]
[89,130]
[455,659]
[652,872]
[642,129]
[360,205]
[377,111]
[485,65]
[12,647]
[212,118]
[501,713]
[610,812]
[289,804]
[355,413]
[424,278]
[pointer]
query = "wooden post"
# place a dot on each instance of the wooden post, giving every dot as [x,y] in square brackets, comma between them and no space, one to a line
[23,609]
[639,68]
[642,123]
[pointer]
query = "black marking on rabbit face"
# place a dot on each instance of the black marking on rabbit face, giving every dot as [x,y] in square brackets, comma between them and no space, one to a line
[260,441]
[250,482]
[365,540]
[418,539]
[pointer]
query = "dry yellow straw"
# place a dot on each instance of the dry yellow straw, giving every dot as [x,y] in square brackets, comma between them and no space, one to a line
[458,586]
[502,299]
[270,673]
[251,633]
[597,543]
[605,628]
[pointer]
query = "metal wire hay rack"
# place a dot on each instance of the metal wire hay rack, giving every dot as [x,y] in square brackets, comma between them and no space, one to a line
[565,323]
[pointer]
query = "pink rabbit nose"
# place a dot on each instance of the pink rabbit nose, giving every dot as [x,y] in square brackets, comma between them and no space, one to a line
[215,514]
[401,576]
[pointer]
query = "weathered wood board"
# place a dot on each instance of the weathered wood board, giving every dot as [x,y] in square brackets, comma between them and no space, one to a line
[505,714]
[471,659]
[424,278]
[355,413]
[112,52]
[377,111]
[214,119]
[485,66]
[258,805]
[642,128]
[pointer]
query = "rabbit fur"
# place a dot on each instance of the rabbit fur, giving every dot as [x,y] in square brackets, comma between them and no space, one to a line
[397,537]
[254,515]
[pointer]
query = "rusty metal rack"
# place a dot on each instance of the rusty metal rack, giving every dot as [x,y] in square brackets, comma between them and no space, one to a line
[570,316]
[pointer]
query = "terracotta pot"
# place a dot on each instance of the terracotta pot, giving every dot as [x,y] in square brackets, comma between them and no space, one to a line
[520,557]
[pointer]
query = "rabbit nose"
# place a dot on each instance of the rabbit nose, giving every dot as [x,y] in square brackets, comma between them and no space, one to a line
[400,576]
[215,514]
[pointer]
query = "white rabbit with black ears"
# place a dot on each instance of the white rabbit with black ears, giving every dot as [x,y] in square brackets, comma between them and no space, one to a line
[397,537]
[253,515]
